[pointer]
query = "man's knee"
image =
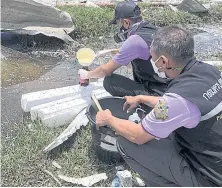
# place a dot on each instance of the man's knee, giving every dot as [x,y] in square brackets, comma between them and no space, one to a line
[107,82]
[123,145]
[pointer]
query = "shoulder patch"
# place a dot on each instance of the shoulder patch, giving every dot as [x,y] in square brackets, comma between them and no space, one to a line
[161,110]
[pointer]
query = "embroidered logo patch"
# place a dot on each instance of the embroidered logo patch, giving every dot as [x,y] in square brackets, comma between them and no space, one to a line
[161,110]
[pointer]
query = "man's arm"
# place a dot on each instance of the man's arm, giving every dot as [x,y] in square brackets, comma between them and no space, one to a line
[170,113]
[104,70]
[134,101]
[130,130]
[148,100]
[134,47]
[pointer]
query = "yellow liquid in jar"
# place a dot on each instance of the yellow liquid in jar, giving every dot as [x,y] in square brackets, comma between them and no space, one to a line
[85,56]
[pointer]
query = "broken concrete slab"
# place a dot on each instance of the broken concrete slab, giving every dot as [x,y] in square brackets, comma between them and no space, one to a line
[80,120]
[27,17]
[192,6]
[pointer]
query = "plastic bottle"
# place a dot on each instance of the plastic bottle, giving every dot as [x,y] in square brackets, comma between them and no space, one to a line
[86,92]
[116,182]
[134,117]
[125,177]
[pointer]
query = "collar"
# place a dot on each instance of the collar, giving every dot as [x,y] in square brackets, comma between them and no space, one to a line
[135,27]
[189,65]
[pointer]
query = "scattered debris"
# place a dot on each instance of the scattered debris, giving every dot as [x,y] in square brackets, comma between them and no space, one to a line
[87,181]
[140,182]
[116,182]
[125,178]
[30,126]
[173,8]
[79,120]
[119,168]
[55,164]
[49,173]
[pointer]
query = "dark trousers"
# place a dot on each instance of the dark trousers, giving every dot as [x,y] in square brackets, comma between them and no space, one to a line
[118,85]
[158,163]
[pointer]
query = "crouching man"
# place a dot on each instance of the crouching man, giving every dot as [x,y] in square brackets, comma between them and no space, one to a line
[190,110]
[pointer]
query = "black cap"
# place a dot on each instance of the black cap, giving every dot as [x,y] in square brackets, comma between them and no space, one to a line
[126,9]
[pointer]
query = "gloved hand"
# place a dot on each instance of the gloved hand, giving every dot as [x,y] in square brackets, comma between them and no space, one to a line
[83,74]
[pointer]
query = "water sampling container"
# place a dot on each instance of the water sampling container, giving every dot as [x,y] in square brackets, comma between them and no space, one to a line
[104,139]
[85,58]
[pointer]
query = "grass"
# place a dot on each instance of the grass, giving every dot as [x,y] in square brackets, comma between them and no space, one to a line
[92,22]
[164,16]
[23,161]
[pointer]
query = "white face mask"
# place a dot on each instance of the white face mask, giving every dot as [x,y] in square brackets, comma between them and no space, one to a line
[156,70]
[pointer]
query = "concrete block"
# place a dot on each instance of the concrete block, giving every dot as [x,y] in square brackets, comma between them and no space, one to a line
[61,112]
[30,100]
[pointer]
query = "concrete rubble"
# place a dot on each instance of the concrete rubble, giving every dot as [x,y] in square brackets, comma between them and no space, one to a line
[87,181]
[28,17]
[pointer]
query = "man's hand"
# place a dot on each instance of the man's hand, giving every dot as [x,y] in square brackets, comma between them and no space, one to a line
[133,102]
[83,74]
[103,117]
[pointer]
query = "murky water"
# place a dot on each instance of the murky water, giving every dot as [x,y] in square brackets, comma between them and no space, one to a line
[14,71]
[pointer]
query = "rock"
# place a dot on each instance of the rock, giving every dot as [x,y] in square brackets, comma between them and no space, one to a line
[192,6]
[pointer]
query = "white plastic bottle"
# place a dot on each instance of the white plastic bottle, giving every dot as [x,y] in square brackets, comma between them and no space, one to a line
[86,92]
[134,117]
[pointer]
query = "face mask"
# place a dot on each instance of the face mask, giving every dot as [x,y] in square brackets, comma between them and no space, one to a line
[120,34]
[156,69]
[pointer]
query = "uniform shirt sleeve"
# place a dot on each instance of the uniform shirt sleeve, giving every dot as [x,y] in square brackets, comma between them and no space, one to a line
[170,113]
[134,47]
